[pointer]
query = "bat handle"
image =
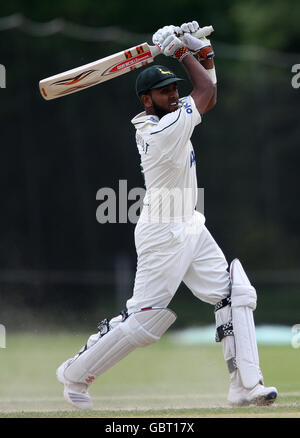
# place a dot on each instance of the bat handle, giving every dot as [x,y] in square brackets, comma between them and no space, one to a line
[201,33]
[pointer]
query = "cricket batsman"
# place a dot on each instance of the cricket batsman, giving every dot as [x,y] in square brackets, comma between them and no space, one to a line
[171,238]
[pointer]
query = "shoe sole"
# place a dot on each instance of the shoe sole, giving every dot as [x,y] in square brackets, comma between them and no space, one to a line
[78,400]
[266,400]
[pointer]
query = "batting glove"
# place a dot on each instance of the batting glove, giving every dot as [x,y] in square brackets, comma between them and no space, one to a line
[158,36]
[170,44]
[200,47]
[190,27]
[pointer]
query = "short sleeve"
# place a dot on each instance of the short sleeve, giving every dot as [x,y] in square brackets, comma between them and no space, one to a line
[175,129]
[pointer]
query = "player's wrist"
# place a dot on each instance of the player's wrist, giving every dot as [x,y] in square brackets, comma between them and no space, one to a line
[205,53]
[181,53]
[212,74]
[209,66]
[207,63]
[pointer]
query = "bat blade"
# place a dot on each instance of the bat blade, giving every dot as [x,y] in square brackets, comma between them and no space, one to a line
[96,72]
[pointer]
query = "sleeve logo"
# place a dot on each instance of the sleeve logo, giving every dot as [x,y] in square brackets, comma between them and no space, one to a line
[188,108]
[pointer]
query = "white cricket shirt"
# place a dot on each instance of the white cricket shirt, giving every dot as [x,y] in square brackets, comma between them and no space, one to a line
[168,163]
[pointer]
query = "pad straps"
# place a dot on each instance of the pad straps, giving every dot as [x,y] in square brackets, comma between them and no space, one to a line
[227,328]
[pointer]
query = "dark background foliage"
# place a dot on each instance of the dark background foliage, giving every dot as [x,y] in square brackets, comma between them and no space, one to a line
[56,260]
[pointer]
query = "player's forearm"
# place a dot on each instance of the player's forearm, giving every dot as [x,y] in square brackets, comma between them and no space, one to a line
[204,91]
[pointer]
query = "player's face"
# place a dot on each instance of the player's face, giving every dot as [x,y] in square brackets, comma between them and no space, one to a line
[165,99]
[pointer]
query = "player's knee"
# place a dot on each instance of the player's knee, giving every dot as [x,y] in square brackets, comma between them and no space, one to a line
[242,292]
[142,327]
[147,326]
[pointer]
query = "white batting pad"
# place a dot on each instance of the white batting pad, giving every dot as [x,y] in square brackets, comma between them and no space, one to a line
[138,330]
[243,302]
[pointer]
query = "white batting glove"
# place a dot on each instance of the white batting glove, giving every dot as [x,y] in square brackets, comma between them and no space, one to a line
[178,31]
[158,36]
[194,44]
[169,43]
[190,27]
[200,47]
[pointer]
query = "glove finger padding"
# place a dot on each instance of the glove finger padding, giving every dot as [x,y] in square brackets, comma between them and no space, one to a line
[195,25]
[178,31]
[190,27]
[161,34]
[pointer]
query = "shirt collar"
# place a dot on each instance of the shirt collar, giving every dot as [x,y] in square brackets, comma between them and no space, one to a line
[143,117]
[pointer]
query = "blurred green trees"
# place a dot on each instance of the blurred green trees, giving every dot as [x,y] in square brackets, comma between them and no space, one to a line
[272,23]
[55,156]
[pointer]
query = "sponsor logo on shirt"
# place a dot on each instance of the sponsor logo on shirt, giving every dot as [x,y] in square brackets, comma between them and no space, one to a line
[188,108]
[192,158]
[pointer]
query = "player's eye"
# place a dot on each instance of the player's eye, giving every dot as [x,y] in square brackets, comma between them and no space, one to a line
[169,90]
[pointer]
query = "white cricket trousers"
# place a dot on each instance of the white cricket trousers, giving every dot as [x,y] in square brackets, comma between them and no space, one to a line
[168,254]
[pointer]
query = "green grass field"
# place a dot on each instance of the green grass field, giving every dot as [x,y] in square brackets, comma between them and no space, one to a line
[163,380]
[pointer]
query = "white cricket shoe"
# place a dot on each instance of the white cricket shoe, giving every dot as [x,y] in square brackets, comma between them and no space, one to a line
[259,395]
[75,393]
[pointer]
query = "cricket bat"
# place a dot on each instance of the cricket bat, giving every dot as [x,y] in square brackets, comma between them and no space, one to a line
[104,69]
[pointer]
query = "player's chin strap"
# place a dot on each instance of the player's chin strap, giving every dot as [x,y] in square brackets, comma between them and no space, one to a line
[236,329]
[116,339]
